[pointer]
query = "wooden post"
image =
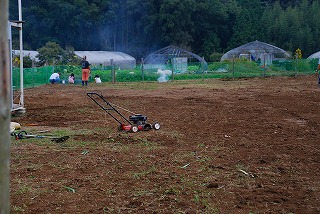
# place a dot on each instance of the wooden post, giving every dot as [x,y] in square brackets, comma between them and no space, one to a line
[142,69]
[172,74]
[202,68]
[264,65]
[296,66]
[5,85]
[232,66]
[113,73]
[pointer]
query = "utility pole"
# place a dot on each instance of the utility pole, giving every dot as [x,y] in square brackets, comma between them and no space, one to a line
[5,110]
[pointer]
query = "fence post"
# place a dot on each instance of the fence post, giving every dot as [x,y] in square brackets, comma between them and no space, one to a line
[113,75]
[172,75]
[264,65]
[296,66]
[142,69]
[232,66]
[202,68]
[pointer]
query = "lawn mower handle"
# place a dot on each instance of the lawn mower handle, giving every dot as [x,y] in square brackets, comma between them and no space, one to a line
[93,96]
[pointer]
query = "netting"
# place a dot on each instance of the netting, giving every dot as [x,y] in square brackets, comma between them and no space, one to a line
[241,68]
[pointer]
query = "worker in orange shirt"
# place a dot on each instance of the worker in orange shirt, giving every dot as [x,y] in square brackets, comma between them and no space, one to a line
[85,71]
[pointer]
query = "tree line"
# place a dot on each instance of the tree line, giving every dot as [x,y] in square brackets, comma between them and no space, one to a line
[138,27]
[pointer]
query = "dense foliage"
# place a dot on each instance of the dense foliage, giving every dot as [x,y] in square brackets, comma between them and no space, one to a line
[139,27]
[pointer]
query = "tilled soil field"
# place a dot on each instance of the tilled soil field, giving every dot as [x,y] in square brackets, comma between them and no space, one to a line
[225,146]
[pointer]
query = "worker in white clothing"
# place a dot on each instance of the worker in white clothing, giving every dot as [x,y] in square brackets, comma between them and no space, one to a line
[54,78]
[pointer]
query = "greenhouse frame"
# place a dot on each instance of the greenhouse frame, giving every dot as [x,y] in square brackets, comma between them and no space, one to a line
[257,51]
[315,56]
[174,57]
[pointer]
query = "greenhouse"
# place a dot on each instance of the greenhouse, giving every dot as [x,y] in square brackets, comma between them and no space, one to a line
[256,51]
[173,58]
[98,59]
[31,54]
[315,56]
[103,59]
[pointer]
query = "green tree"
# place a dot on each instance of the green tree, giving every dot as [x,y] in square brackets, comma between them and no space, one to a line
[288,28]
[269,18]
[247,26]
[176,22]
[211,45]
[213,25]
[27,62]
[50,54]
[145,27]
[138,27]
[311,15]
[69,57]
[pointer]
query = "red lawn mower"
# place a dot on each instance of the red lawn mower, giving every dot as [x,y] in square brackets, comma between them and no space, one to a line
[135,123]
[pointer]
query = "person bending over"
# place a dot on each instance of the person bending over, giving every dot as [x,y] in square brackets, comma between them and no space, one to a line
[54,78]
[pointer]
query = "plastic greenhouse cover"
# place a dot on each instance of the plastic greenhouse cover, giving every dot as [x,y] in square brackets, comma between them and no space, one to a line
[104,57]
[94,57]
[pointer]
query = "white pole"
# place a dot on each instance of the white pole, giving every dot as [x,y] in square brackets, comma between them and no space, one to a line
[21,55]
[10,62]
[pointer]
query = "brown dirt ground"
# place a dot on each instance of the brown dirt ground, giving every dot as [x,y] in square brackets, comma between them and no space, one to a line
[239,146]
